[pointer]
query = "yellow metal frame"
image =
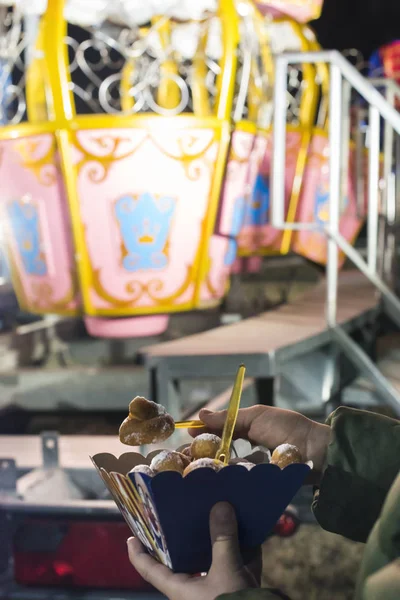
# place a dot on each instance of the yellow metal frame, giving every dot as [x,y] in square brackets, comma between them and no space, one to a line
[64,124]
[321,129]
[324,133]
[308,108]
[49,82]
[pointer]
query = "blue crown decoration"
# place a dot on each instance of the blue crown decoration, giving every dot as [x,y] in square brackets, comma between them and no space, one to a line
[145,223]
[24,221]
[237,222]
[258,205]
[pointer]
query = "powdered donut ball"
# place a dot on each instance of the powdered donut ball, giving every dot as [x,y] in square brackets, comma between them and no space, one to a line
[205,445]
[146,423]
[285,455]
[167,460]
[185,459]
[145,469]
[242,462]
[202,463]
[187,452]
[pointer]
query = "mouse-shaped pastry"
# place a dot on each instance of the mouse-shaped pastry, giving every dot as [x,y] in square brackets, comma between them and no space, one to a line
[146,423]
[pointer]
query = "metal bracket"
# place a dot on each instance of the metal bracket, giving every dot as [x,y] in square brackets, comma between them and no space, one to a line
[42,342]
[8,477]
[50,449]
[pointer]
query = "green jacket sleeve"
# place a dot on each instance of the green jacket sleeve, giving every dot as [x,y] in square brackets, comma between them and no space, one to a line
[384,583]
[363,460]
[379,575]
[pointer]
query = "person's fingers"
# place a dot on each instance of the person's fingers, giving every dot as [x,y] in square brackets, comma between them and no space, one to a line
[155,573]
[214,421]
[224,538]
[253,562]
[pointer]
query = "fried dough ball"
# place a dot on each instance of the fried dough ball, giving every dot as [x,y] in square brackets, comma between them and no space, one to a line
[205,445]
[144,469]
[167,460]
[286,454]
[185,459]
[242,462]
[246,464]
[146,423]
[187,452]
[201,463]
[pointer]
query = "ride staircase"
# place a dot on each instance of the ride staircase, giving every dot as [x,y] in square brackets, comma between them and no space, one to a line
[342,318]
[382,187]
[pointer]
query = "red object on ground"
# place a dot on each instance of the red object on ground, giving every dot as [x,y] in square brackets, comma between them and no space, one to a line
[76,554]
[286,526]
[87,555]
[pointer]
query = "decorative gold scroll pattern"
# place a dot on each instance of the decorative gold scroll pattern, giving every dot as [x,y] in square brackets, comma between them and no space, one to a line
[102,164]
[137,289]
[153,288]
[43,296]
[44,168]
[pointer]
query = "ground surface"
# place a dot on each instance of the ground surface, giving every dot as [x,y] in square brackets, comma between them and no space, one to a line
[312,565]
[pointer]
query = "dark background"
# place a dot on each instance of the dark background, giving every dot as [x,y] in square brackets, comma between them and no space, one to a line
[361,24]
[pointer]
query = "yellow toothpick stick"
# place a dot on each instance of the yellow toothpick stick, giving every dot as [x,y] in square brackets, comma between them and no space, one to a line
[189,424]
[223,453]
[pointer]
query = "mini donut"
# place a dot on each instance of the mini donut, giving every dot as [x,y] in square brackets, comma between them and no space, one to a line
[243,462]
[286,454]
[185,459]
[205,445]
[187,452]
[246,464]
[146,423]
[201,463]
[144,469]
[167,460]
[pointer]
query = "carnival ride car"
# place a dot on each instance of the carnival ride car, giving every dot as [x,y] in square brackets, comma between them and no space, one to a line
[136,153]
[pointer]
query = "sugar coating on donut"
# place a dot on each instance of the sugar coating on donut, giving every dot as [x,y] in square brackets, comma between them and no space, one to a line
[208,437]
[141,408]
[246,464]
[147,432]
[146,423]
[286,454]
[167,460]
[144,469]
[205,445]
[202,463]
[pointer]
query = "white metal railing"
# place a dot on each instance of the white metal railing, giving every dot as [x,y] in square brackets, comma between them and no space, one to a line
[391,188]
[391,147]
[342,76]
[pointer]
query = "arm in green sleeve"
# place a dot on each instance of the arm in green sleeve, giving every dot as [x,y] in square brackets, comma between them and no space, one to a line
[384,583]
[363,460]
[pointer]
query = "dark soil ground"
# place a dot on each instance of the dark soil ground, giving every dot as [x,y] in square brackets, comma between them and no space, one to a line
[312,565]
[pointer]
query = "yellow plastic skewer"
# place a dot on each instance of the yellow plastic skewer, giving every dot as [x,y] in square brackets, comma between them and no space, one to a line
[223,453]
[189,424]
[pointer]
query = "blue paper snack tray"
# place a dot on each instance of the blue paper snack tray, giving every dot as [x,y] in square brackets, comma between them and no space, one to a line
[170,513]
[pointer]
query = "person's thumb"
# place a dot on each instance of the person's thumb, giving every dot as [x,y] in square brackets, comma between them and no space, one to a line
[213,420]
[224,539]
